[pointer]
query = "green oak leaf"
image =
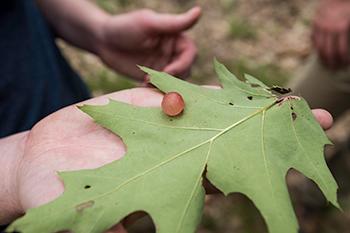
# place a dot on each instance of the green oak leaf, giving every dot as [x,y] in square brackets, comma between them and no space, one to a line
[243,137]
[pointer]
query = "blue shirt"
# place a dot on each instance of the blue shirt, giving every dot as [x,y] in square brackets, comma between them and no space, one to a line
[35,79]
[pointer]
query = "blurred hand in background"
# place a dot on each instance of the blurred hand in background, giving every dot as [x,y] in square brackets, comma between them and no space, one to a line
[123,41]
[147,38]
[331,33]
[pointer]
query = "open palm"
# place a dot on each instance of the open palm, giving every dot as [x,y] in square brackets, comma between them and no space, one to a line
[69,140]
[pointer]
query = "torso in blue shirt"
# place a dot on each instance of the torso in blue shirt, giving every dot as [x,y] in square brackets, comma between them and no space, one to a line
[35,80]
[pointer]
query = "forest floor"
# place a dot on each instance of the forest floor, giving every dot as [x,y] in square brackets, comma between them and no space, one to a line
[268,39]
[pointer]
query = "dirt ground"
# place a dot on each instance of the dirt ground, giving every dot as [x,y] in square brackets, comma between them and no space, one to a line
[270,40]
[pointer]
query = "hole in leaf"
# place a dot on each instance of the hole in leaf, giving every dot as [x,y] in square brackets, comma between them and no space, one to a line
[298,184]
[87,186]
[291,108]
[294,116]
[219,210]
[209,187]
[139,222]
[250,97]
[230,103]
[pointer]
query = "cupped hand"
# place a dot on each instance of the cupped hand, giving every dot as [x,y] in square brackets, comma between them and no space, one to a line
[69,140]
[330,33]
[151,39]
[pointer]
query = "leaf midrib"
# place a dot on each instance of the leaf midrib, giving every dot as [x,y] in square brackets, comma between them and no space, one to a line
[188,150]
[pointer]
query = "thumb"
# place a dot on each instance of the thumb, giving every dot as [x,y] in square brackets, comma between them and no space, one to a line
[323,117]
[174,23]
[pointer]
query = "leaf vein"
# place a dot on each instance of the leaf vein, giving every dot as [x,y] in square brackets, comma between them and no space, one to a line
[194,190]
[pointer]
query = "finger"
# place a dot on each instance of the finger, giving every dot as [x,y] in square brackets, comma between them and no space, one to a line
[323,117]
[174,23]
[164,53]
[186,74]
[184,57]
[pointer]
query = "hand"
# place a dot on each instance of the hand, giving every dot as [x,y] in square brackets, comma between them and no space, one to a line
[69,140]
[150,39]
[330,33]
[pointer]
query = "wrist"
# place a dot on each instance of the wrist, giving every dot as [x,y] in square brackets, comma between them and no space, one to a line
[103,35]
[98,31]
[11,153]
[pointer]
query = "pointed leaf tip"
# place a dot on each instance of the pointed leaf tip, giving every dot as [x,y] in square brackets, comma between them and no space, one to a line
[145,69]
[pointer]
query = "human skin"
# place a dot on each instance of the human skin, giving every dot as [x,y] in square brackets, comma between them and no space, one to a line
[66,140]
[122,41]
[330,34]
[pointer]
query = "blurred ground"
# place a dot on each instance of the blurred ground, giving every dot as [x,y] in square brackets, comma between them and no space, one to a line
[270,40]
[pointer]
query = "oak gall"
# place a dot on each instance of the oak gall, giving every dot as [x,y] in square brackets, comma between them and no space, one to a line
[173,104]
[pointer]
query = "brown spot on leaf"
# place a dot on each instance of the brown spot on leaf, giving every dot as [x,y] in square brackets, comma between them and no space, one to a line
[255,85]
[294,116]
[283,99]
[84,205]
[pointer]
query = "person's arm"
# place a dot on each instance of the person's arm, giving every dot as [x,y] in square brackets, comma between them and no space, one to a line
[79,22]
[11,152]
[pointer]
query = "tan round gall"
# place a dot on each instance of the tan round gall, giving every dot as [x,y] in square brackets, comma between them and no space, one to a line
[173,104]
